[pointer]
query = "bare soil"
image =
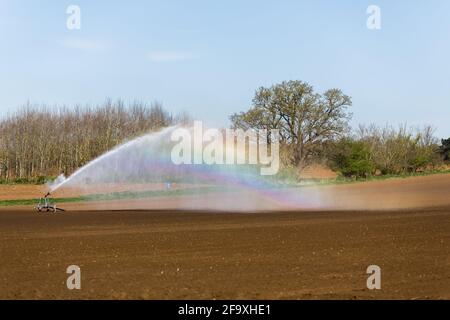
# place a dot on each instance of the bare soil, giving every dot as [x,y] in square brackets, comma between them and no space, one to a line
[169,254]
[203,255]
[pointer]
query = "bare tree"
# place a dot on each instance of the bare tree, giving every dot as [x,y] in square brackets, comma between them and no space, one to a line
[305,119]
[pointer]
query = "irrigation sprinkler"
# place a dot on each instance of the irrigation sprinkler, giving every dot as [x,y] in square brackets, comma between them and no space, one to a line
[46,205]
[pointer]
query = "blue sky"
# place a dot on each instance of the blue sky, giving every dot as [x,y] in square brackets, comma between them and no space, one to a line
[208,57]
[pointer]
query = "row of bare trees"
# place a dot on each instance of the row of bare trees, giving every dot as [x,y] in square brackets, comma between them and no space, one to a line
[39,141]
[402,149]
[384,150]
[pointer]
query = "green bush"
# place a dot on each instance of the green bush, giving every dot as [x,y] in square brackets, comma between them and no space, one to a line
[24,180]
[41,180]
[21,180]
[420,161]
[445,149]
[352,158]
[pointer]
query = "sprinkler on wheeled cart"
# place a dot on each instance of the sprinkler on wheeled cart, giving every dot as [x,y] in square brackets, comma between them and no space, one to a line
[45,204]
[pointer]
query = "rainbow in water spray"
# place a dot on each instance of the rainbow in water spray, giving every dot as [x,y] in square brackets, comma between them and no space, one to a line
[149,159]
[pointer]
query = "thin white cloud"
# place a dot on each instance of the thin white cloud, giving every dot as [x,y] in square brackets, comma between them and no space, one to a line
[84,44]
[169,56]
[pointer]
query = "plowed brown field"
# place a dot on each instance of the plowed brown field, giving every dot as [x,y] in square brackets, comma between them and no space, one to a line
[162,254]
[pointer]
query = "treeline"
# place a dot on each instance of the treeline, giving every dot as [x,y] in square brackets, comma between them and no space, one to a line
[314,127]
[39,141]
[376,150]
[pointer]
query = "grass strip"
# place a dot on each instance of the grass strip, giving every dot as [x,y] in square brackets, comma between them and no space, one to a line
[116,196]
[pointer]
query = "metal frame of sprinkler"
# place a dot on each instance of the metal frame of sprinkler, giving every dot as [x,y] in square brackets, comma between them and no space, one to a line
[45,204]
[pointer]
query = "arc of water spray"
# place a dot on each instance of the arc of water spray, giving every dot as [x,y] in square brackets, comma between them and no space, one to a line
[119,148]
